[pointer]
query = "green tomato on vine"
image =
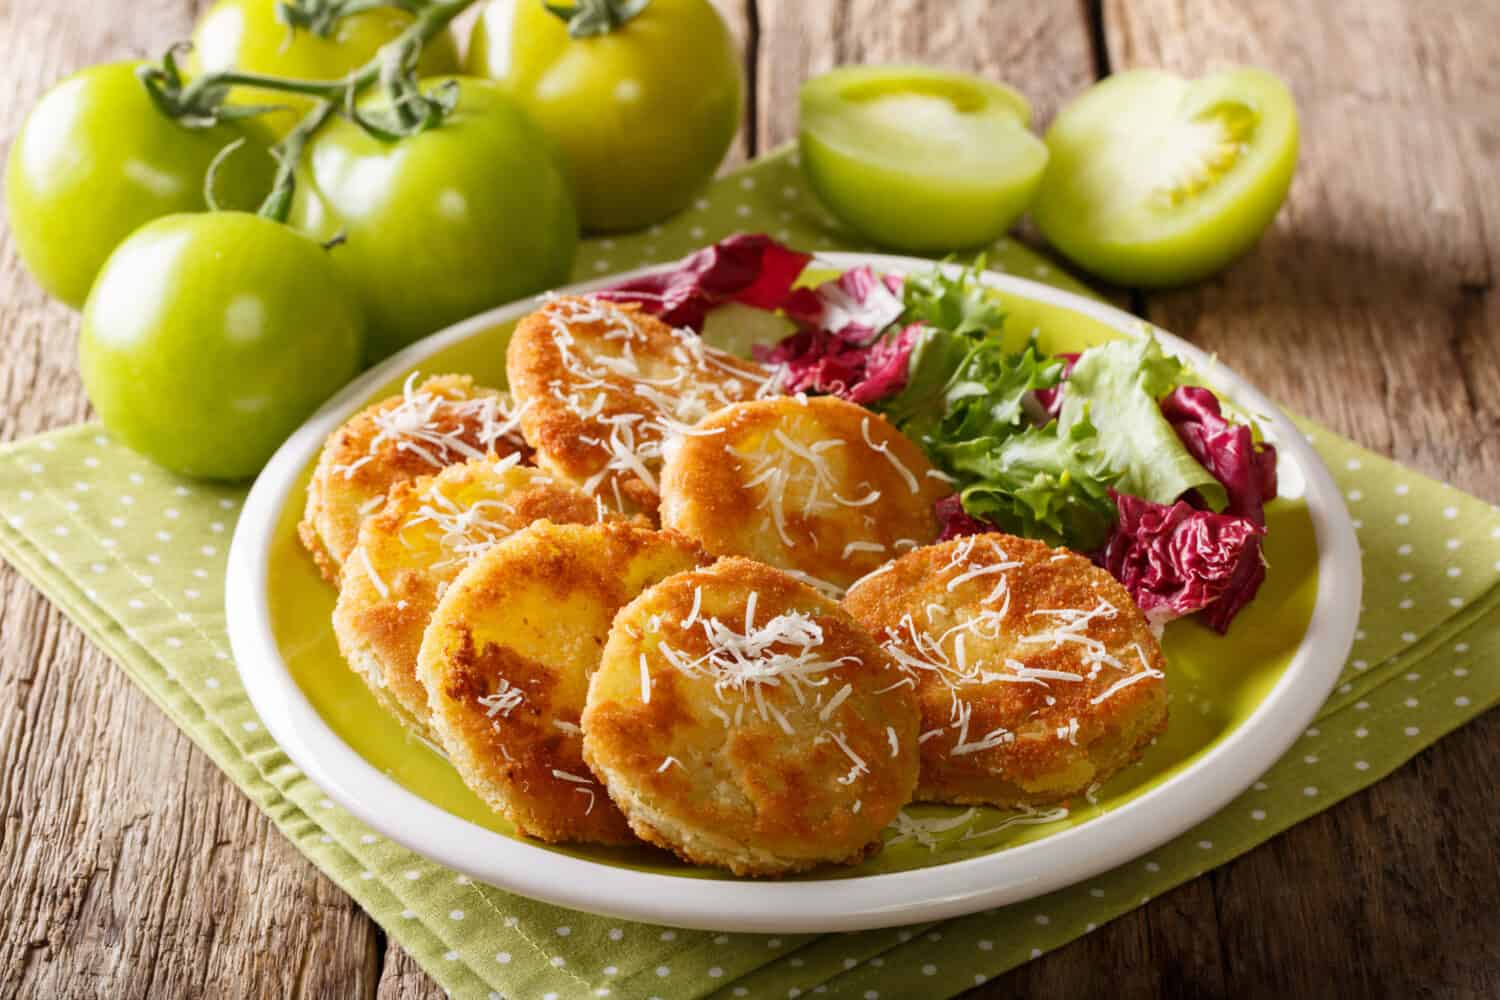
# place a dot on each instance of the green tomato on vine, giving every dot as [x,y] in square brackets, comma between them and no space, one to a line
[392,211]
[643,97]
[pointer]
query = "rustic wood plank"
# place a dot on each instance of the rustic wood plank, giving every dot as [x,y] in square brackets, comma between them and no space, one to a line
[130,865]
[403,979]
[1377,280]
[740,16]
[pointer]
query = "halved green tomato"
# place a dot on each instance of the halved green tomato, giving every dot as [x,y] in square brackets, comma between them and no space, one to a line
[1156,180]
[919,159]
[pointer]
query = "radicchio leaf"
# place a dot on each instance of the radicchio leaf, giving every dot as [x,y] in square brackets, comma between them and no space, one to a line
[1176,560]
[840,349]
[887,364]
[750,268]
[1229,451]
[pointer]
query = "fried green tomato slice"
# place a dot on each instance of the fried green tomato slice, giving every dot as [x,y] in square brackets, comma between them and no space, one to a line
[1038,677]
[602,387]
[818,486]
[507,659]
[743,720]
[428,427]
[409,551]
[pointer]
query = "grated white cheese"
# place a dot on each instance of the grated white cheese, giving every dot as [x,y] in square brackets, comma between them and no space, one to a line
[374,577]
[859,766]
[1027,816]
[835,702]
[503,701]
[926,831]
[441,429]
[641,404]
[884,448]
[466,530]
[854,547]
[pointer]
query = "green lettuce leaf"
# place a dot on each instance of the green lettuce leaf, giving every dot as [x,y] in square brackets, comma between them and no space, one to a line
[959,305]
[1116,388]
[987,397]
[1040,482]
[936,359]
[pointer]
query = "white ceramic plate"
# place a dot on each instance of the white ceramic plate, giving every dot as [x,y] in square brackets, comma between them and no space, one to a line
[833,904]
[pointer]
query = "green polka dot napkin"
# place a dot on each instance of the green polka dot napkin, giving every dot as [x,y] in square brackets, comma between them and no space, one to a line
[136,558]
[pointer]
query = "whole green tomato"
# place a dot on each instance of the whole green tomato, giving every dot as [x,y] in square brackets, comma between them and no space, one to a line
[95,160]
[643,113]
[209,338]
[250,36]
[441,225]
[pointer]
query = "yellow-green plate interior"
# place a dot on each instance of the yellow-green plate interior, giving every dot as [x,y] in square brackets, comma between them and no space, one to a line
[1215,682]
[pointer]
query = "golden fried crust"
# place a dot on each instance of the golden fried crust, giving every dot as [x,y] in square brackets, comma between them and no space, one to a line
[409,551]
[764,777]
[1037,675]
[507,658]
[601,385]
[447,419]
[821,486]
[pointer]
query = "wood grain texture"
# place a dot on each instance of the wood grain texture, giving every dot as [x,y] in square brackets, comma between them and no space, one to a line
[129,865]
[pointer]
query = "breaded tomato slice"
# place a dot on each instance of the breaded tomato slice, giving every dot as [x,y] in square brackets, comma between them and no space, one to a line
[820,486]
[507,658]
[429,529]
[445,420]
[603,385]
[743,720]
[1037,675]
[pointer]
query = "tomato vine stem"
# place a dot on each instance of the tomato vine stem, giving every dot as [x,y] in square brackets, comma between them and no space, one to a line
[201,102]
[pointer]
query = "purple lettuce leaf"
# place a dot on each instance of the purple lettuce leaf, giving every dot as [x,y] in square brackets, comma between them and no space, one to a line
[1177,560]
[750,268]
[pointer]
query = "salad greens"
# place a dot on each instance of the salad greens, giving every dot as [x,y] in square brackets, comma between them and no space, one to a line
[970,404]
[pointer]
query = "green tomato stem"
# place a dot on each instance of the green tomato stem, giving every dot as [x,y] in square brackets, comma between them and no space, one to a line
[394,64]
[288,152]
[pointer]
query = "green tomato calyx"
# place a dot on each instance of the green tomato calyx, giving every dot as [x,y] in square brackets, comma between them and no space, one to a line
[588,18]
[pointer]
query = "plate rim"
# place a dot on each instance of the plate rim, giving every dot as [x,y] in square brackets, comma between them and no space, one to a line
[807,906]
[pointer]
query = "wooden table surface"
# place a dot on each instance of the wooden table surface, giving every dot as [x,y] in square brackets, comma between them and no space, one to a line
[129,865]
